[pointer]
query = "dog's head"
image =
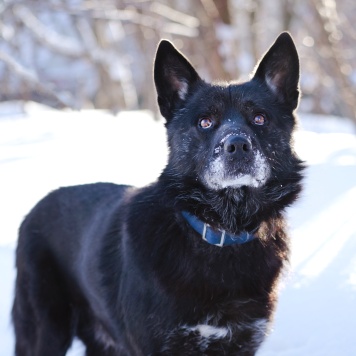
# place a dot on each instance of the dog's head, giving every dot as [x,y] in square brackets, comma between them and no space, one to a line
[229,136]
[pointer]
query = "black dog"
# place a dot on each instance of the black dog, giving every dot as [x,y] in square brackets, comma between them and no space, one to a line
[188,265]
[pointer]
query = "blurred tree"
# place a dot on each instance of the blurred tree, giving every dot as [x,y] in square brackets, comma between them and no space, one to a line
[91,53]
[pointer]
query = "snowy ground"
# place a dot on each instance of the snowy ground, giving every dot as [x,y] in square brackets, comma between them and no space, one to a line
[316,315]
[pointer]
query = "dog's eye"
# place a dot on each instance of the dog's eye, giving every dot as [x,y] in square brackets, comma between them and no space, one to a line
[259,119]
[205,123]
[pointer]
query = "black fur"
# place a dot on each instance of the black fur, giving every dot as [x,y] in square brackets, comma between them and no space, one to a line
[120,267]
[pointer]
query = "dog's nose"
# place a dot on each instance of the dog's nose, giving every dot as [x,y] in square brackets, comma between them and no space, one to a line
[236,146]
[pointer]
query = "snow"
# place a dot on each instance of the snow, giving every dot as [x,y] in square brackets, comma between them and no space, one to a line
[42,149]
[316,313]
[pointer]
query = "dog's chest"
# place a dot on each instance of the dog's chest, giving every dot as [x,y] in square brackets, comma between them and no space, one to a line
[206,337]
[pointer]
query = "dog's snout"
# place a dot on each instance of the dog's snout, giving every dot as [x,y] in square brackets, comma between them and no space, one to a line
[237,146]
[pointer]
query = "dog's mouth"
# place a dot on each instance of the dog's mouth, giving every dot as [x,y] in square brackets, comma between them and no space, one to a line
[236,163]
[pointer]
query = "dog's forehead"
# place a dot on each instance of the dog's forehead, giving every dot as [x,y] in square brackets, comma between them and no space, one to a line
[248,94]
[218,98]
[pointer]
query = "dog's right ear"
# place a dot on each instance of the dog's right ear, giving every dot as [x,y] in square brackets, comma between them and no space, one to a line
[174,76]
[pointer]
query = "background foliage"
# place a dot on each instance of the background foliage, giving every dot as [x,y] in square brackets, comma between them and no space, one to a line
[99,53]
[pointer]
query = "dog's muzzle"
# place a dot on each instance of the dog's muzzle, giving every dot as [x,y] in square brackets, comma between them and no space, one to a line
[236,162]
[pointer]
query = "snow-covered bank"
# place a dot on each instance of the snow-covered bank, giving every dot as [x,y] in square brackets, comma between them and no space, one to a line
[316,315]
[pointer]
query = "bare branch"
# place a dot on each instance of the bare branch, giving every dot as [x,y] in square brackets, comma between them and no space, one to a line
[174,15]
[45,35]
[31,78]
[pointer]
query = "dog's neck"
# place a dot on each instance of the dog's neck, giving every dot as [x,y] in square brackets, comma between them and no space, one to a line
[215,236]
[232,210]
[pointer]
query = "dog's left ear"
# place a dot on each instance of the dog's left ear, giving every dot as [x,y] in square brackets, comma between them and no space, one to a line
[174,76]
[279,69]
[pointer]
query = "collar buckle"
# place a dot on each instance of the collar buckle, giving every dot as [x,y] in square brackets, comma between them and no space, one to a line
[214,237]
[222,236]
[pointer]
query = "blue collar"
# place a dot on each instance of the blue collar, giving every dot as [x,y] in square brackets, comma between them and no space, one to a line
[216,237]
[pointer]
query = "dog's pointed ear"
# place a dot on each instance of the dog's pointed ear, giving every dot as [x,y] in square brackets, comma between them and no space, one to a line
[279,69]
[173,75]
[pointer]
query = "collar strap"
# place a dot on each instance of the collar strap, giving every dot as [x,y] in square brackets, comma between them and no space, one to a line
[216,237]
